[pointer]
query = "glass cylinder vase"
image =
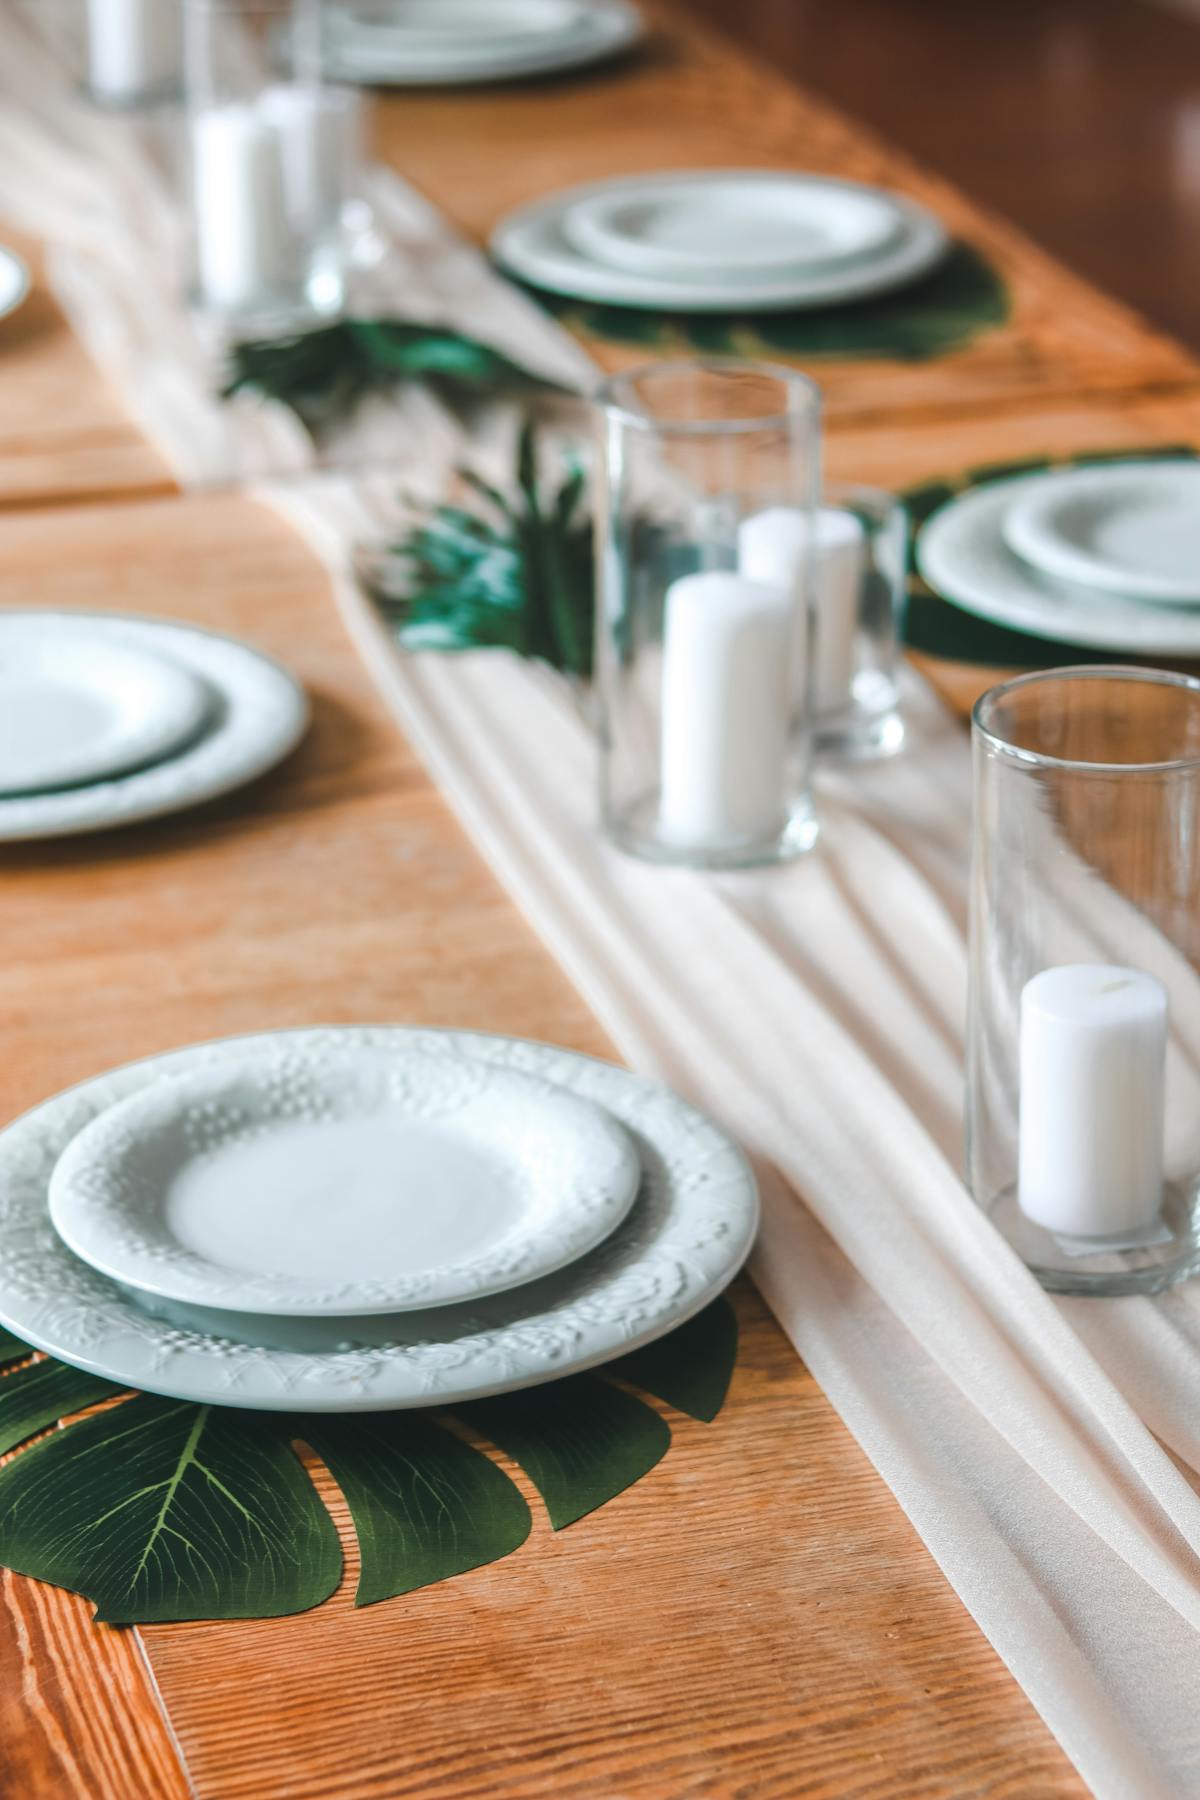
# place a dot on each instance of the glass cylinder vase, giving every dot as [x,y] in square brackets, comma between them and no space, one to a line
[274,162]
[703,668]
[1083,1101]
[133,52]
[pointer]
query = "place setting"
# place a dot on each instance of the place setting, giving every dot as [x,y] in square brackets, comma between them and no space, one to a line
[107,720]
[1103,555]
[433,43]
[349,1219]
[722,240]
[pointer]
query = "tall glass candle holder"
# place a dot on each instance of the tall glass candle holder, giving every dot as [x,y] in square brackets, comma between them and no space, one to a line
[134,52]
[274,156]
[1083,1100]
[859,546]
[703,671]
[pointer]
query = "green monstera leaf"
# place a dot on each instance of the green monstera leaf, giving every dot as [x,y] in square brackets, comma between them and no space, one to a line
[161,1510]
[956,302]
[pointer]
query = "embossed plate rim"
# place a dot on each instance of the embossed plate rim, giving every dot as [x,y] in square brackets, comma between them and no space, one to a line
[567,1210]
[688,1234]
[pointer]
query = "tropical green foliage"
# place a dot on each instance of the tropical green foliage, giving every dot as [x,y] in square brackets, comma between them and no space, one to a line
[323,373]
[162,1510]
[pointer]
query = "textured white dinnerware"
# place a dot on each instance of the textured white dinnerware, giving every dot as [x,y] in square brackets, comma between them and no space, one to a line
[342,1182]
[962,553]
[415,43]
[685,1238]
[1131,530]
[14,282]
[683,226]
[258,714]
[537,244]
[76,706]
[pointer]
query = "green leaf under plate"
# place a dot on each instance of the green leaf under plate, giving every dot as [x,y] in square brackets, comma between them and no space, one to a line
[580,1441]
[944,311]
[689,1368]
[40,1395]
[425,1505]
[158,1510]
[12,1349]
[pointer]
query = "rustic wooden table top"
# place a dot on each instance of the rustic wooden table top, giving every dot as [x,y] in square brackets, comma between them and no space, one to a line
[756,1618]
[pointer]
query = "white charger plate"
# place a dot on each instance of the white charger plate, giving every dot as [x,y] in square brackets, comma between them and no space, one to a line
[342,1183]
[686,228]
[602,29]
[76,706]
[452,28]
[1132,530]
[258,715]
[15,282]
[687,1235]
[962,553]
[533,244]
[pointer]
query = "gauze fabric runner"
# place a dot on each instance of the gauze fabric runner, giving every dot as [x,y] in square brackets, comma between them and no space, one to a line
[816,1009]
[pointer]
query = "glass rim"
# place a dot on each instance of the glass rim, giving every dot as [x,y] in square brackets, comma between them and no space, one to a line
[1038,759]
[614,397]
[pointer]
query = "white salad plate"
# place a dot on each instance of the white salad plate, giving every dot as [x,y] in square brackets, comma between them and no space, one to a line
[454,28]
[374,44]
[535,244]
[257,715]
[76,706]
[757,225]
[962,553]
[15,282]
[685,1238]
[1133,530]
[342,1182]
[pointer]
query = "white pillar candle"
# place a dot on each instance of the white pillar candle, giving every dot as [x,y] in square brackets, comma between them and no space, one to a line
[1092,1101]
[135,47]
[246,248]
[772,546]
[318,129]
[726,709]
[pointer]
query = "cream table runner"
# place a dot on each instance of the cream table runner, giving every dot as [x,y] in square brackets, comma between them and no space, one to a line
[817,1010]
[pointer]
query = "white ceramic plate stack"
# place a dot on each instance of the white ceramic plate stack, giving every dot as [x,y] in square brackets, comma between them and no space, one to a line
[14,282]
[722,240]
[107,720]
[362,1219]
[426,43]
[1106,555]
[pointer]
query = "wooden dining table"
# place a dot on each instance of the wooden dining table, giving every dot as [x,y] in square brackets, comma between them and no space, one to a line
[757,1618]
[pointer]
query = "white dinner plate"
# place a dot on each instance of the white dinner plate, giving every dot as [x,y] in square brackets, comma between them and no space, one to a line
[453,28]
[1132,530]
[258,713]
[687,1235]
[76,706]
[962,554]
[342,1184]
[378,52]
[533,244]
[14,282]
[754,225]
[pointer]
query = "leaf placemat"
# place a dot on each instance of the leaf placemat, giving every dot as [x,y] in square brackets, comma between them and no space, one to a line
[960,299]
[161,1510]
[937,627]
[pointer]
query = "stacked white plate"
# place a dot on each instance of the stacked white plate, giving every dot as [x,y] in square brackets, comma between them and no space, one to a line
[1106,556]
[362,1219]
[107,720]
[425,43]
[721,240]
[14,282]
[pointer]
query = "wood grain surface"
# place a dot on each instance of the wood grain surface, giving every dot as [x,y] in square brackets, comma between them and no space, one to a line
[757,1618]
